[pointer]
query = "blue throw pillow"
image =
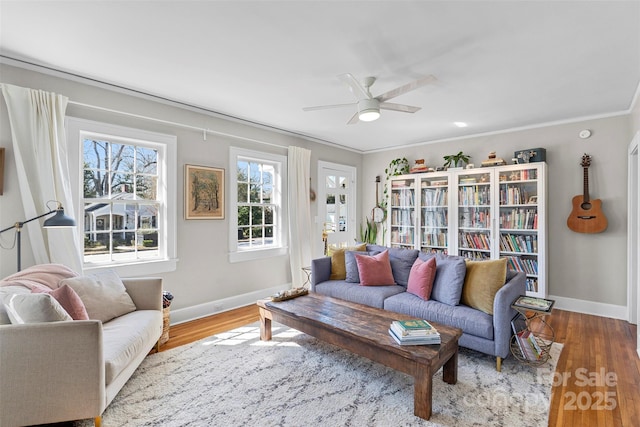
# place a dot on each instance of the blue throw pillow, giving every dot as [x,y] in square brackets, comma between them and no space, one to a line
[450,273]
[351,265]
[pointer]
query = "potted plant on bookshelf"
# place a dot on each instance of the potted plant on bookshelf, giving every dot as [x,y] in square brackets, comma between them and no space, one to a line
[399,166]
[456,160]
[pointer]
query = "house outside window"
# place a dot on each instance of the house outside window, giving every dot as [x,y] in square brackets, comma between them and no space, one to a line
[126,183]
[258,195]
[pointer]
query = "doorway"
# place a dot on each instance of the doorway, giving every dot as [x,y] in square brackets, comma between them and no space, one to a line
[336,217]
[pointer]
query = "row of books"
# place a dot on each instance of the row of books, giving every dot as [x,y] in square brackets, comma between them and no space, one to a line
[435,197]
[474,241]
[402,197]
[517,218]
[414,332]
[529,347]
[529,266]
[438,218]
[518,243]
[514,196]
[474,196]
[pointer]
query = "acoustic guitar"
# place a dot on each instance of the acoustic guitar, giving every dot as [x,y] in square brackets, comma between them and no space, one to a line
[586,215]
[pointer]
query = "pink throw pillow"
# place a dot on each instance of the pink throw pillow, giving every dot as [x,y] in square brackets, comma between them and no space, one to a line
[375,270]
[68,299]
[421,278]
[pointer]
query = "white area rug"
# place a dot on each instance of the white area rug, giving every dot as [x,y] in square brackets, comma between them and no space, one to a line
[234,379]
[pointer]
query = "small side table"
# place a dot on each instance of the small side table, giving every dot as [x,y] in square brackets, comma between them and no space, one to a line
[307,282]
[532,335]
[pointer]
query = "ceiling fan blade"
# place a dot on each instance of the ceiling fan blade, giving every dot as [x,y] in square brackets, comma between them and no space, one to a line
[354,120]
[406,88]
[326,107]
[399,107]
[355,87]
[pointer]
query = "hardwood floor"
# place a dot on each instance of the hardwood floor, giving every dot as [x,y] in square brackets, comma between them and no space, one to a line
[597,381]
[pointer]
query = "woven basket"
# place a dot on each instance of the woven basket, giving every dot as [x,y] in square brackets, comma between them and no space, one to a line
[166,317]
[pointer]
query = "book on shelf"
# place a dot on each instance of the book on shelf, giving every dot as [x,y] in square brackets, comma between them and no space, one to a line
[416,340]
[539,305]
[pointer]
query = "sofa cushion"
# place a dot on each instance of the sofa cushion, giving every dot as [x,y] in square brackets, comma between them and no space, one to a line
[68,299]
[375,270]
[450,272]
[125,337]
[401,261]
[421,278]
[35,308]
[351,265]
[373,296]
[470,320]
[338,267]
[103,294]
[482,281]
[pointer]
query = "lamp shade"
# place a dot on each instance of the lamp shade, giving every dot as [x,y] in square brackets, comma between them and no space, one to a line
[59,220]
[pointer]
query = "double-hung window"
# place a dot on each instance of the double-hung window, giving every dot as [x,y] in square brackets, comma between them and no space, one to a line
[127,195]
[258,196]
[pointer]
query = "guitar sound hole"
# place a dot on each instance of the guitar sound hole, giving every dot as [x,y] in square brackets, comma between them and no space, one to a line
[586,206]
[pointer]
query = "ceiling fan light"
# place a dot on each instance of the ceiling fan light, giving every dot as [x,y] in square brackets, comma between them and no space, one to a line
[368,110]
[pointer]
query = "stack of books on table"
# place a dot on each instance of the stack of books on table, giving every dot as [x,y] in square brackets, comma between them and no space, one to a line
[414,332]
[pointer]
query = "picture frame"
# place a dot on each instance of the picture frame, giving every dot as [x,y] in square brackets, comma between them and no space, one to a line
[204,196]
[533,200]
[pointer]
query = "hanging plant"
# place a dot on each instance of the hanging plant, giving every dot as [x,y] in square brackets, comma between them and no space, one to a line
[454,160]
[399,166]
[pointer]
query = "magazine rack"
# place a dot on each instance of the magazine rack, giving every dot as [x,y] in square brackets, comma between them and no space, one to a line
[530,319]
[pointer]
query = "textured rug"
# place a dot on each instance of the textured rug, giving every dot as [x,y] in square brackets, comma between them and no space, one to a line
[234,379]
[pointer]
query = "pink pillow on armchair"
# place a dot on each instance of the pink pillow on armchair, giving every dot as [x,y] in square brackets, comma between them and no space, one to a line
[68,299]
[421,278]
[375,270]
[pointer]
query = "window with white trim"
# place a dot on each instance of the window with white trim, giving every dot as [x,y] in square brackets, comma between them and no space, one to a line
[127,195]
[257,196]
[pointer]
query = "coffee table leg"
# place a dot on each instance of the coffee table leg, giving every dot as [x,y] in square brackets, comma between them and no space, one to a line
[450,369]
[265,325]
[423,383]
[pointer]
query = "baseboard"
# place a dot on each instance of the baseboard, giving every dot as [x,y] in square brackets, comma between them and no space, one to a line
[218,306]
[590,307]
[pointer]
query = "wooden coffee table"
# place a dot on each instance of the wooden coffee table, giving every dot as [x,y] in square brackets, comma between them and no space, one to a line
[363,330]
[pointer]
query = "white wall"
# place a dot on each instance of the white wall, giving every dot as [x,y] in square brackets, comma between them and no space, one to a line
[204,281]
[584,267]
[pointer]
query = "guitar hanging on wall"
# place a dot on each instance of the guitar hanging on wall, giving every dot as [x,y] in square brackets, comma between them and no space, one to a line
[586,215]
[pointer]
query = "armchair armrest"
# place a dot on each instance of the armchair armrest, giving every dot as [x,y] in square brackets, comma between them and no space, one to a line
[320,271]
[503,313]
[146,292]
[51,372]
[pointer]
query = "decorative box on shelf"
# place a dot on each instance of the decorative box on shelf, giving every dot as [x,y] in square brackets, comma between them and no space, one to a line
[531,155]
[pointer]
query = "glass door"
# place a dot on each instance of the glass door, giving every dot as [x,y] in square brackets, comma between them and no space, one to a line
[336,207]
[474,214]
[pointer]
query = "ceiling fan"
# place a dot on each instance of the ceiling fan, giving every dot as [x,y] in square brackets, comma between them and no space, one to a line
[368,107]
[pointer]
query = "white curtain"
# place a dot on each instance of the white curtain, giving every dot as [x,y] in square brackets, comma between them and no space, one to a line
[40,148]
[299,172]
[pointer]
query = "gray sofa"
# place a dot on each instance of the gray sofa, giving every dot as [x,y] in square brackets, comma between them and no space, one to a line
[490,334]
[71,370]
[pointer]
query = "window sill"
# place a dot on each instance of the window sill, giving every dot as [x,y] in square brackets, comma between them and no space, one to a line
[137,269]
[257,254]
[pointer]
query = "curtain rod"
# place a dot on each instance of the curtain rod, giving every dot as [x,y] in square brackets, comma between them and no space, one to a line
[204,131]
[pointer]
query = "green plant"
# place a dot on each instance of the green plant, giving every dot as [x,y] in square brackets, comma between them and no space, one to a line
[399,166]
[368,231]
[453,160]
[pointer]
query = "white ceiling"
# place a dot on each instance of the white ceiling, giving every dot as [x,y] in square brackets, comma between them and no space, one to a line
[499,64]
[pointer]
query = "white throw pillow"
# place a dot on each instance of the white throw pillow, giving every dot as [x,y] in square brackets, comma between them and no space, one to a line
[6,292]
[103,294]
[34,308]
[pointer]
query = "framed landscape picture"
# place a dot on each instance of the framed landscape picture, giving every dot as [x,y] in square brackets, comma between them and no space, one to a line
[203,192]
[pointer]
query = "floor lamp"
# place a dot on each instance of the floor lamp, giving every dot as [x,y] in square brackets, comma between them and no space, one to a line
[59,220]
